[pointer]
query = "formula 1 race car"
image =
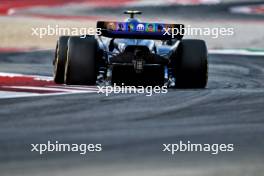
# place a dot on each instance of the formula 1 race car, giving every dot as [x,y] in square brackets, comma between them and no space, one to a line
[132,53]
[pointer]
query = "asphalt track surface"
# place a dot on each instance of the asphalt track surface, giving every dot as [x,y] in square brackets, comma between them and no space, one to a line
[132,128]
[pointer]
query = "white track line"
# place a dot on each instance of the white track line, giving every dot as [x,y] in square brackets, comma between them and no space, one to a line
[49,89]
[251,9]
[36,77]
[8,94]
[23,95]
[237,52]
[76,87]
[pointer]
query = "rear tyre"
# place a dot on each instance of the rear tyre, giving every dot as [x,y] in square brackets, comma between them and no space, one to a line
[81,65]
[191,64]
[60,59]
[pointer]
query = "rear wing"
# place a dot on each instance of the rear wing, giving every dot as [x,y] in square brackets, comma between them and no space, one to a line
[137,30]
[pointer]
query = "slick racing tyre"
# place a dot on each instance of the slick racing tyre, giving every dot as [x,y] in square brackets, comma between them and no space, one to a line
[191,64]
[81,65]
[60,59]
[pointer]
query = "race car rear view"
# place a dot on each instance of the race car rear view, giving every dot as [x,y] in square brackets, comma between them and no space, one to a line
[132,53]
